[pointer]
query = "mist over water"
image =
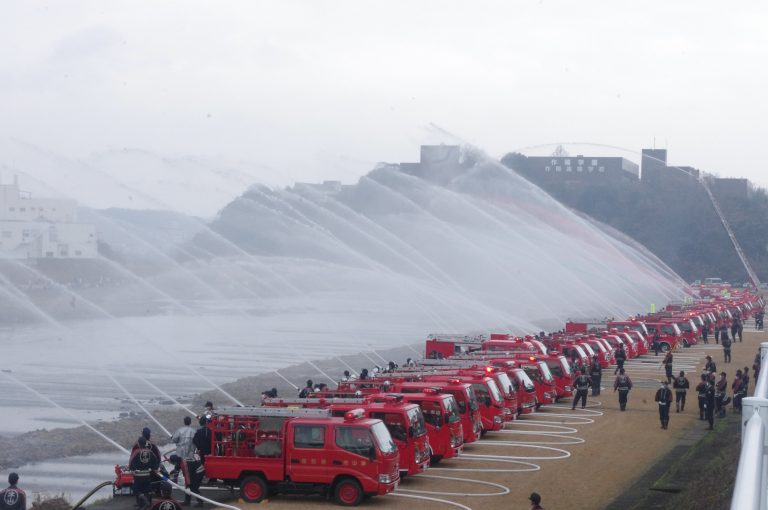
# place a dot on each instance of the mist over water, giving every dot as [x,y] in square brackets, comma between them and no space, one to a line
[305,272]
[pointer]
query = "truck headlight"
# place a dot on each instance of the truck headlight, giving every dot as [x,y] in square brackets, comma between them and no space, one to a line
[385,479]
[497,419]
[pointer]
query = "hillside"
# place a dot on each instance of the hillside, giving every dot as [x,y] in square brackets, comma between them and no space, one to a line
[674,219]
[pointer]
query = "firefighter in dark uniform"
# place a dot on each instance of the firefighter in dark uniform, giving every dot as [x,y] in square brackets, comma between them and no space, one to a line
[721,388]
[193,472]
[681,386]
[166,501]
[13,498]
[701,392]
[737,388]
[668,366]
[581,384]
[143,463]
[621,357]
[710,365]
[202,440]
[596,372]
[622,384]
[664,399]
[710,404]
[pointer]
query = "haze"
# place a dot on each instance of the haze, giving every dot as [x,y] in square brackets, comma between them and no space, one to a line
[306,91]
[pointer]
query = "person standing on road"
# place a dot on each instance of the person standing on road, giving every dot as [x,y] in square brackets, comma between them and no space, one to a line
[185,448]
[721,387]
[736,388]
[668,366]
[664,399]
[621,357]
[701,391]
[581,384]
[705,333]
[656,342]
[710,404]
[726,349]
[717,333]
[13,498]
[723,333]
[596,372]
[735,328]
[681,386]
[622,384]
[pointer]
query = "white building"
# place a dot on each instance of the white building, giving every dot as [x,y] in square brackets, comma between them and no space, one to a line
[32,228]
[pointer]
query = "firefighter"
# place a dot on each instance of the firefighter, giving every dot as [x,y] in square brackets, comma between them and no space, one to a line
[656,342]
[664,399]
[307,390]
[735,328]
[710,365]
[581,384]
[621,356]
[717,334]
[535,500]
[723,333]
[681,386]
[710,404]
[736,388]
[705,333]
[668,366]
[622,384]
[721,387]
[745,379]
[596,372]
[364,374]
[13,498]
[143,463]
[726,349]
[207,411]
[185,448]
[193,471]
[701,392]
[756,365]
[166,501]
[202,440]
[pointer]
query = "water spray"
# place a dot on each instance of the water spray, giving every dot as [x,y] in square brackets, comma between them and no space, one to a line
[71,414]
[136,401]
[285,379]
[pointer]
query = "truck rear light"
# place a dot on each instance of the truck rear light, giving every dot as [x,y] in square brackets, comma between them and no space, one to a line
[385,479]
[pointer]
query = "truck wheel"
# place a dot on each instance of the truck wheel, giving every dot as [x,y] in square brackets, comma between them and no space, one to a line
[348,492]
[253,489]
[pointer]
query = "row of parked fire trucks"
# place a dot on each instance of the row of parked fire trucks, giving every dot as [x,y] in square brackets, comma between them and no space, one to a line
[359,439]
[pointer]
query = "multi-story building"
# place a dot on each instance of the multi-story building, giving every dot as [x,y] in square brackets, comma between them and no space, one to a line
[36,228]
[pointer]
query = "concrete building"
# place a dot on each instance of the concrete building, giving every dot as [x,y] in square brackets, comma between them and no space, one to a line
[438,163]
[33,228]
[582,168]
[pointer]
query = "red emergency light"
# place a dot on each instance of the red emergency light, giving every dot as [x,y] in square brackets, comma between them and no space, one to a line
[354,414]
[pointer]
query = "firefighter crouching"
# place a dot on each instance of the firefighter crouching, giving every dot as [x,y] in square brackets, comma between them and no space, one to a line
[681,386]
[581,384]
[143,462]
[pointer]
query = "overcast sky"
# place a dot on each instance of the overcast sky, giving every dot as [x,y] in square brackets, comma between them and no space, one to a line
[325,89]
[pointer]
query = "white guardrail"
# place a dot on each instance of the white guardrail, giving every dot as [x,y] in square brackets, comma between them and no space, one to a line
[751,489]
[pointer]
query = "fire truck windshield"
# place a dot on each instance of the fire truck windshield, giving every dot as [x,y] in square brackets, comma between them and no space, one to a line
[416,422]
[451,409]
[472,399]
[527,383]
[545,370]
[565,365]
[505,383]
[383,438]
[495,393]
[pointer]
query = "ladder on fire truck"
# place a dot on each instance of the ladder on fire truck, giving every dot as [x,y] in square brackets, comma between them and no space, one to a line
[750,272]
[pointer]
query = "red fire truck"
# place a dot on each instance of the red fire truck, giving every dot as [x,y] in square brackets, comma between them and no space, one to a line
[441,414]
[270,450]
[466,401]
[489,397]
[404,421]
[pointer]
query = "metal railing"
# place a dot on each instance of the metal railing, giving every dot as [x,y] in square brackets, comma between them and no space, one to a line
[751,489]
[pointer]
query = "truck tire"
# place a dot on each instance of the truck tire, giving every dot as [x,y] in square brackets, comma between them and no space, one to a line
[348,492]
[253,489]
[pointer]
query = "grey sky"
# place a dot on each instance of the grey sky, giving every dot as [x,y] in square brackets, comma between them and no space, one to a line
[319,90]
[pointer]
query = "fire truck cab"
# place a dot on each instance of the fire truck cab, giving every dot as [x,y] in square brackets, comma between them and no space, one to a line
[271,450]
[443,421]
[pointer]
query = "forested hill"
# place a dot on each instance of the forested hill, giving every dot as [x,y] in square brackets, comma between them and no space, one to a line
[673,217]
